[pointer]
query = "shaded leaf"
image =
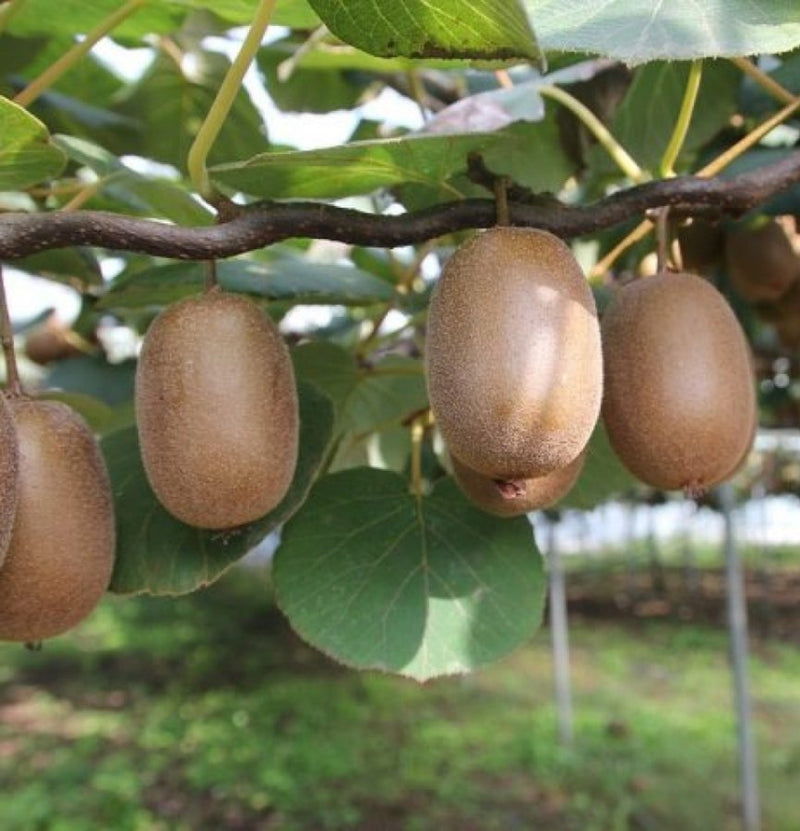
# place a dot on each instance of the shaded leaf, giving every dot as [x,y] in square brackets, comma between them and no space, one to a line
[351,169]
[157,553]
[644,121]
[281,278]
[602,478]
[379,579]
[170,103]
[480,29]
[93,376]
[137,193]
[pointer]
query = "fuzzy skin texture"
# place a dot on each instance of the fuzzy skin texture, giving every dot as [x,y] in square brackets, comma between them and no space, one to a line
[531,494]
[679,401]
[9,476]
[762,265]
[217,411]
[61,555]
[514,361]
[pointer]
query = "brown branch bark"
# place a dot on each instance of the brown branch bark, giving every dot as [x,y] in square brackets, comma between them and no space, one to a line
[265,223]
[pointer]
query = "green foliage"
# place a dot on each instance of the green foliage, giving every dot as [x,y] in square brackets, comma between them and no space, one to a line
[201,712]
[26,154]
[485,29]
[381,579]
[157,553]
[638,30]
[427,585]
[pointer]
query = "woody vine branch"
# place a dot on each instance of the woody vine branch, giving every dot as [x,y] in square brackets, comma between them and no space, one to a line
[250,227]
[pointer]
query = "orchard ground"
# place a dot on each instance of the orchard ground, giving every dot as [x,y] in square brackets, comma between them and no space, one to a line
[206,712]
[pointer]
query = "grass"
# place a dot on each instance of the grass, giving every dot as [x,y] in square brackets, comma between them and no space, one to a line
[204,712]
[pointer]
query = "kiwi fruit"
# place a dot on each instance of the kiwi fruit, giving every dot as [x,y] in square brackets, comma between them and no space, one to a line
[50,341]
[217,411]
[513,356]
[762,264]
[679,402]
[9,476]
[518,496]
[702,245]
[61,553]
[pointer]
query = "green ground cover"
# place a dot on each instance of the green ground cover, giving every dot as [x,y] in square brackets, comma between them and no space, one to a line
[204,712]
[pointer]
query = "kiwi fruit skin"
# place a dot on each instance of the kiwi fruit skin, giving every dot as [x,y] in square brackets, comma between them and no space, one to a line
[9,476]
[217,411]
[679,402]
[521,496]
[761,262]
[513,356]
[61,554]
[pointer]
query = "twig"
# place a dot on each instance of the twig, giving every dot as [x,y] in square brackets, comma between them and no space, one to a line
[263,224]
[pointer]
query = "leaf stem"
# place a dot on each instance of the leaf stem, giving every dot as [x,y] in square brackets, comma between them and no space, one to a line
[751,139]
[13,384]
[618,153]
[763,80]
[75,54]
[417,438]
[712,169]
[684,119]
[226,95]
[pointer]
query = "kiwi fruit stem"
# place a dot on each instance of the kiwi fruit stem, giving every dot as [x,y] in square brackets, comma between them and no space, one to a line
[13,383]
[211,281]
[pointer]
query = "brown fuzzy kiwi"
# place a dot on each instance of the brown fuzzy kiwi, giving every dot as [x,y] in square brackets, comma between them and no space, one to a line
[217,411]
[513,354]
[51,341]
[9,476]
[679,402]
[61,555]
[761,262]
[519,496]
[702,245]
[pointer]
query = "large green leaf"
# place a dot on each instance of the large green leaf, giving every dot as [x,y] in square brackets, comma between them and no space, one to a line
[351,169]
[380,579]
[484,29]
[644,30]
[158,554]
[70,17]
[295,13]
[280,278]
[27,155]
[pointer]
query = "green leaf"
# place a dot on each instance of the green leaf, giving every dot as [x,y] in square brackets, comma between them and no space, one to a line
[307,90]
[479,29]
[140,194]
[69,266]
[158,554]
[603,475]
[367,399]
[644,30]
[532,155]
[379,579]
[26,154]
[280,278]
[68,17]
[352,169]
[93,376]
[296,14]
[645,119]
[170,103]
